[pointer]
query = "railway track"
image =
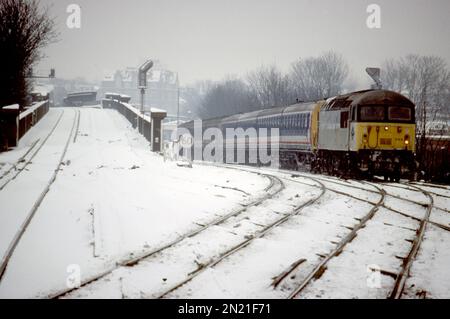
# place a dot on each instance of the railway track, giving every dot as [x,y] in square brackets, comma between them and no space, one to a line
[321,266]
[402,275]
[20,160]
[18,235]
[265,229]
[400,281]
[275,187]
[320,183]
[27,158]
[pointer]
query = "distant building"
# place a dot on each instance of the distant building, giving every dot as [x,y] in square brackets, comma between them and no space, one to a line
[161,92]
[81,98]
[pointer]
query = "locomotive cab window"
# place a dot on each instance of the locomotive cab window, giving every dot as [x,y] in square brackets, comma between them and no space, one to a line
[399,113]
[372,113]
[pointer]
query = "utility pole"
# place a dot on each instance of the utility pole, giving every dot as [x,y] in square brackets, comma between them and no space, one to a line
[178,102]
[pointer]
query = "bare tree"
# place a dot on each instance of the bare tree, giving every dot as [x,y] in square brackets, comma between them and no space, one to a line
[24,30]
[426,81]
[228,97]
[269,87]
[192,97]
[317,78]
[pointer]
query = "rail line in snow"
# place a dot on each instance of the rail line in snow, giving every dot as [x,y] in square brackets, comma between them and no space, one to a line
[266,229]
[18,235]
[321,266]
[400,281]
[275,186]
[324,188]
[402,275]
[24,160]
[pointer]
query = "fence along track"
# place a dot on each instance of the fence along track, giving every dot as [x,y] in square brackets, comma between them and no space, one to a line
[12,246]
[27,162]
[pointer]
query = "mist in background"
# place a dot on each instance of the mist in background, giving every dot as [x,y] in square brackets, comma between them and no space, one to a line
[209,39]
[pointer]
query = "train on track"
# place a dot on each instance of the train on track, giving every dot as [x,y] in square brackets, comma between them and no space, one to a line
[363,133]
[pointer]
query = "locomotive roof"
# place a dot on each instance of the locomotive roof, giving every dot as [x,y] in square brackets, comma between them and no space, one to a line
[367,97]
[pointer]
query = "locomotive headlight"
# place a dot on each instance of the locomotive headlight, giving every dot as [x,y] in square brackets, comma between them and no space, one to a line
[406,140]
[386,128]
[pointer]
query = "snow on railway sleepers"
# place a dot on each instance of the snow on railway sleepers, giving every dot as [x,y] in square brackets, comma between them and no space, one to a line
[250,273]
[440,217]
[191,254]
[377,247]
[408,194]
[408,207]
[23,194]
[114,200]
[429,275]
[38,131]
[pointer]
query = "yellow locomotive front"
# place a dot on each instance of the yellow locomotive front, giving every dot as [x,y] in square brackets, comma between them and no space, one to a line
[382,134]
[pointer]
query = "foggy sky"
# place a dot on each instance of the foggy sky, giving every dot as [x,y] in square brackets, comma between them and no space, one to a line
[208,39]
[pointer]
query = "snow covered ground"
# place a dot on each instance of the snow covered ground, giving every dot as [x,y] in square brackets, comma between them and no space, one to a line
[143,227]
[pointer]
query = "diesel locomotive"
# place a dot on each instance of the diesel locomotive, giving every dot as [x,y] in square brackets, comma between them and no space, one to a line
[363,133]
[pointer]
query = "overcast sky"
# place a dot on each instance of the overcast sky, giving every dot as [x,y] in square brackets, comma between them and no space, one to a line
[208,39]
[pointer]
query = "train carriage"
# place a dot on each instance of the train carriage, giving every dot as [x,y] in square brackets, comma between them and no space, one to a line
[361,133]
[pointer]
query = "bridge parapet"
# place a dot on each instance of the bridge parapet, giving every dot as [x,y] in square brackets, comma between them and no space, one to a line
[149,126]
[14,124]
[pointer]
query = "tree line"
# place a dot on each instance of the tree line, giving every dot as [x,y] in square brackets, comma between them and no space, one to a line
[425,80]
[309,79]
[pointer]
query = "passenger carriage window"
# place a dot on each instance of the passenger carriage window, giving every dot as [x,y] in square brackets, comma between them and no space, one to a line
[305,122]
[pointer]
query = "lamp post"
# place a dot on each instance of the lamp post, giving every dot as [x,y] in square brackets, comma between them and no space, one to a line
[142,85]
